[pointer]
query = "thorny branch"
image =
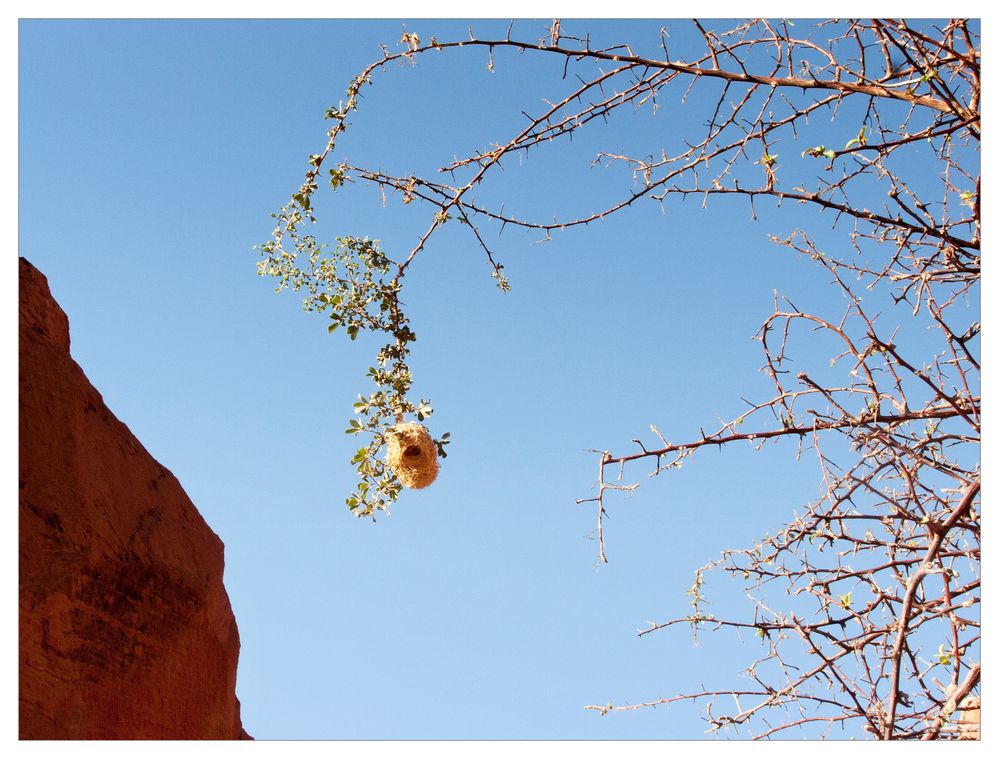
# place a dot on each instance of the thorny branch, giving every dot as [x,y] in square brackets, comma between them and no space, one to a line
[879,574]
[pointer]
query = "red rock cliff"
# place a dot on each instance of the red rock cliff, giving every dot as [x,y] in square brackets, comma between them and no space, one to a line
[125,627]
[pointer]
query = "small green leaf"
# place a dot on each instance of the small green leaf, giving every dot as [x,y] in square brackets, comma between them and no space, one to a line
[860,139]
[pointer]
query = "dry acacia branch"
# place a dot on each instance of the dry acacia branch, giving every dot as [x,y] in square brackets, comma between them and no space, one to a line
[868,598]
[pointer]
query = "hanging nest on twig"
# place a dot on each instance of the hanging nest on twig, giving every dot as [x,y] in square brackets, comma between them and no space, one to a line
[412,455]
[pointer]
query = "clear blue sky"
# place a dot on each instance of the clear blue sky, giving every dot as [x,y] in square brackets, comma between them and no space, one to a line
[151,156]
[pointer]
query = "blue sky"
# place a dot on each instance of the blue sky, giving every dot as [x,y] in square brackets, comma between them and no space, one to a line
[151,157]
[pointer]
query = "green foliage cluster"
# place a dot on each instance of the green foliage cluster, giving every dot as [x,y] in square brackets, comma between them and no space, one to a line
[357,287]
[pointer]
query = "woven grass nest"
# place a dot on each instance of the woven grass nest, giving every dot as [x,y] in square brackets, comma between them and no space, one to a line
[412,455]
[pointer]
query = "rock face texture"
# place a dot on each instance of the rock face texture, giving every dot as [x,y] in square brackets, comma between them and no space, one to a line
[125,626]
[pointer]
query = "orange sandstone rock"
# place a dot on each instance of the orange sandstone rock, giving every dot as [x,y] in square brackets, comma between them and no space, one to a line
[125,626]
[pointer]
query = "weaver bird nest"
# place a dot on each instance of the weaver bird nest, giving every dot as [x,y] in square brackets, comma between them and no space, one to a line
[412,455]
